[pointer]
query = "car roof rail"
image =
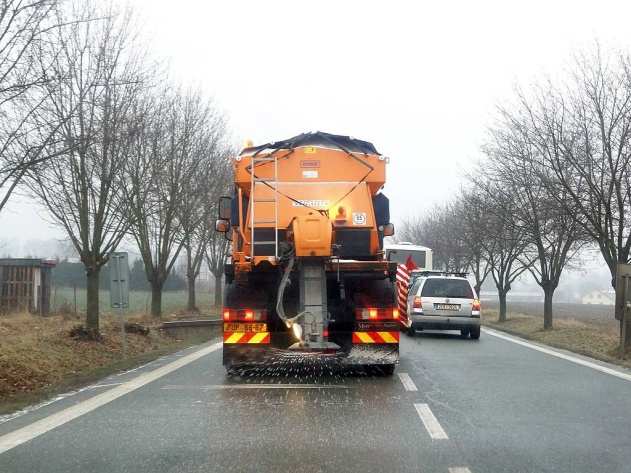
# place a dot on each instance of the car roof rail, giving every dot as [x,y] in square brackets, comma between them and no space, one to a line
[459,274]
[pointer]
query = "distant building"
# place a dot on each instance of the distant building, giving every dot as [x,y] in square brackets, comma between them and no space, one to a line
[602,297]
[25,285]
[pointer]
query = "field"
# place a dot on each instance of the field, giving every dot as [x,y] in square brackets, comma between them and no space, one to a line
[589,330]
[589,313]
[39,357]
[139,301]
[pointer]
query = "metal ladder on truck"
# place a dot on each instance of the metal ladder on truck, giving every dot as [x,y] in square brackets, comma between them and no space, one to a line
[271,183]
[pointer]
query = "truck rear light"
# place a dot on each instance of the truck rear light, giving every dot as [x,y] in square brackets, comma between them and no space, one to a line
[417,304]
[475,307]
[372,313]
[248,315]
[340,215]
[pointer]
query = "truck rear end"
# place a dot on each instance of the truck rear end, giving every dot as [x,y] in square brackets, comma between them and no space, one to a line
[307,280]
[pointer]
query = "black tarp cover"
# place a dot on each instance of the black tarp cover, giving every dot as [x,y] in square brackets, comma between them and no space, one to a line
[319,138]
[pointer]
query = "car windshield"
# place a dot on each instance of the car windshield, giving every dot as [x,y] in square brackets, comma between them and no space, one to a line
[458,288]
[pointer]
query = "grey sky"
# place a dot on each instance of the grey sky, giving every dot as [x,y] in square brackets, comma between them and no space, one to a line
[418,79]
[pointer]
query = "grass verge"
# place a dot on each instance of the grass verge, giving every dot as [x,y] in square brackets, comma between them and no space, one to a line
[589,339]
[39,359]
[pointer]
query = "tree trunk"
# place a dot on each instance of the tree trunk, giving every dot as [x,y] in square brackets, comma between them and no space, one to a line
[502,316]
[218,292]
[191,304]
[190,279]
[156,299]
[92,308]
[548,294]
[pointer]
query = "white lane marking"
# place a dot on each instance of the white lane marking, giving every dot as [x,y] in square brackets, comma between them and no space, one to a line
[48,402]
[407,382]
[459,469]
[558,354]
[430,422]
[256,386]
[97,386]
[29,432]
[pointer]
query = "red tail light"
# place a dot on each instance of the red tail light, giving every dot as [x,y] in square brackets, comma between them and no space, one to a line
[325,332]
[372,313]
[476,305]
[417,304]
[249,315]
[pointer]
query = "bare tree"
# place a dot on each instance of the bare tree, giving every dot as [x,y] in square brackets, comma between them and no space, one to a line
[583,131]
[167,160]
[550,228]
[101,76]
[437,229]
[200,196]
[27,40]
[216,254]
[470,209]
[505,239]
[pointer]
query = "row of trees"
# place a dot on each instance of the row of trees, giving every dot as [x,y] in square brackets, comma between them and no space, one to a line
[113,149]
[67,274]
[556,176]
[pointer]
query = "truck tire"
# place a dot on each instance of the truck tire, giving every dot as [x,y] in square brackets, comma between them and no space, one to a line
[475,332]
[388,370]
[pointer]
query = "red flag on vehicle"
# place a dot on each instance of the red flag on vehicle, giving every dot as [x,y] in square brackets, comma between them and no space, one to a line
[410,264]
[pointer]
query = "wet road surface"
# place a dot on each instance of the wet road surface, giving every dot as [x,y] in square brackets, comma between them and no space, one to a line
[453,406]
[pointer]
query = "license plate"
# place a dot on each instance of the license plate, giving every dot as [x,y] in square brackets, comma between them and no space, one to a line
[237,327]
[447,306]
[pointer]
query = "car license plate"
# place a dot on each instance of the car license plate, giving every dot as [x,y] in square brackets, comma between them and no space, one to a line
[237,327]
[447,306]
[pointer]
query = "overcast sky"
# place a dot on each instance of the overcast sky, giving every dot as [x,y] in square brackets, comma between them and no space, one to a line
[418,79]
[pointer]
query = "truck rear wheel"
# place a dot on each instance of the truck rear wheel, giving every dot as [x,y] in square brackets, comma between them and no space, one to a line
[388,370]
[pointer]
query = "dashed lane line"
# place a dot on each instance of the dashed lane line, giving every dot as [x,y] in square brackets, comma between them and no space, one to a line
[459,469]
[407,382]
[29,432]
[430,422]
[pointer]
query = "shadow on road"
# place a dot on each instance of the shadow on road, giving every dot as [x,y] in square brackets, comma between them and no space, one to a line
[440,335]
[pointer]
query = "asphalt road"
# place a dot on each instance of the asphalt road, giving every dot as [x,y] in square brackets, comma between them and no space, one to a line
[479,407]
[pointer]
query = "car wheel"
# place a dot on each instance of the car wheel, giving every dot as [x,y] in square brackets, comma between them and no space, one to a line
[464,332]
[475,332]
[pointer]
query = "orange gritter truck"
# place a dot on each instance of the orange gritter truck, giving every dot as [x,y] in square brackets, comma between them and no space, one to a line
[307,281]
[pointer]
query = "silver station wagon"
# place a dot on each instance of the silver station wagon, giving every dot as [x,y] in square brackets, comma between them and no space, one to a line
[443,301]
